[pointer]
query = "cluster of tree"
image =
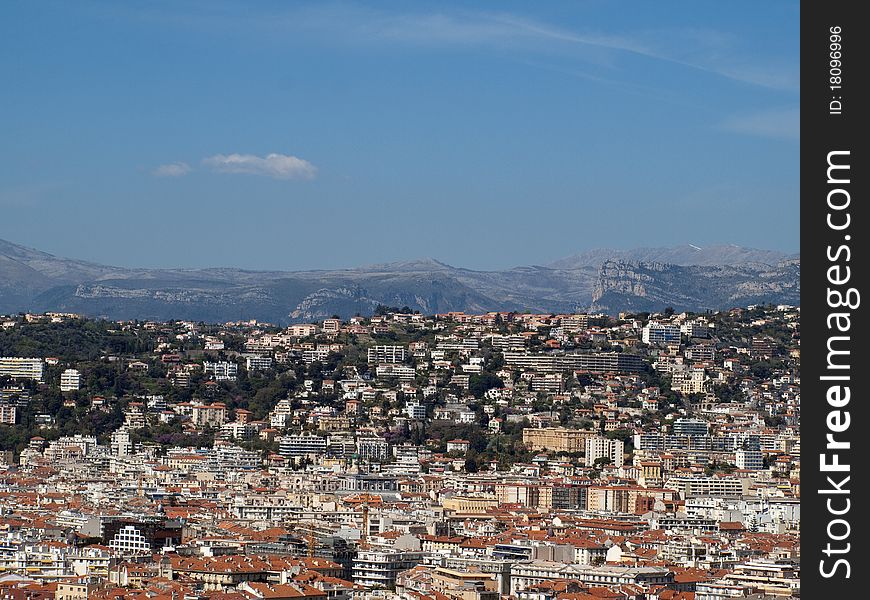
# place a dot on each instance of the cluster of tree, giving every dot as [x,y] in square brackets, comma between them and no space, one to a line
[73,340]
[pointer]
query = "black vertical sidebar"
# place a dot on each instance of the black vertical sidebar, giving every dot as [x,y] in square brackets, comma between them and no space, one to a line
[835,224]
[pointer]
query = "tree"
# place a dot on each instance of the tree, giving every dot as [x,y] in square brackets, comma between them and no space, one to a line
[479,384]
[624,435]
[471,461]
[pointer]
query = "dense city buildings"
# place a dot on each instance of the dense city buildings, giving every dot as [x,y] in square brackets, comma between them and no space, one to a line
[401,456]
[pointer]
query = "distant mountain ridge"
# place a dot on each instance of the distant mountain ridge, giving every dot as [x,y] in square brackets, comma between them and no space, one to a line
[639,286]
[684,255]
[605,280]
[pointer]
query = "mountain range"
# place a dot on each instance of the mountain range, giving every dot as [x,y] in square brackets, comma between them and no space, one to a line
[643,279]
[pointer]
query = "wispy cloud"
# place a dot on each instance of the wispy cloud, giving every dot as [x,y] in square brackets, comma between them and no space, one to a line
[707,50]
[781,124]
[277,166]
[175,169]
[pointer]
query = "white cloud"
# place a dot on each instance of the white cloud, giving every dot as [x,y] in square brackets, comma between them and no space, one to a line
[278,166]
[176,169]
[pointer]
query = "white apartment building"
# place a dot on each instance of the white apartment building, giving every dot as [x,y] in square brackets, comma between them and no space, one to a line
[717,487]
[222,370]
[402,372]
[301,445]
[379,569]
[601,447]
[751,460]
[213,343]
[130,540]
[70,446]
[121,445]
[258,363]
[21,368]
[282,415]
[70,380]
[373,448]
[387,354]
[660,333]
[526,574]
[415,411]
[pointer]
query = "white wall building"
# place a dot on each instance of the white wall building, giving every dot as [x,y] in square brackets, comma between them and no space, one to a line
[301,445]
[387,354]
[121,444]
[601,447]
[660,333]
[751,460]
[21,368]
[70,380]
[221,370]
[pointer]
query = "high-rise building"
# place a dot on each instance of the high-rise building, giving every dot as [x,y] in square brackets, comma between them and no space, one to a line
[222,370]
[70,380]
[751,460]
[8,413]
[593,362]
[762,347]
[375,448]
[380,569]
[387,354]
[415,410]
[660,333]
[209,415]
[21,368]
[301,445]
[683,426]
[256,362]
[121,444]
[601,447]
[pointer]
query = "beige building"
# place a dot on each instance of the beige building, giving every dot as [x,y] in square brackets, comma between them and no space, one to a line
[469,504]
[71,591]
[211,415]
[556,439]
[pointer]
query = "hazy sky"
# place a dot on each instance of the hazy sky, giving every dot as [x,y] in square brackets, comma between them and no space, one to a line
[333,134]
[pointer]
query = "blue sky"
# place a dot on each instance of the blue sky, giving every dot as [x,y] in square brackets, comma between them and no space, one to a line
[295,135]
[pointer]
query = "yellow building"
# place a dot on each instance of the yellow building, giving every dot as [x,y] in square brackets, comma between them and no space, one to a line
[71,591]
[556,439]
[469,504]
